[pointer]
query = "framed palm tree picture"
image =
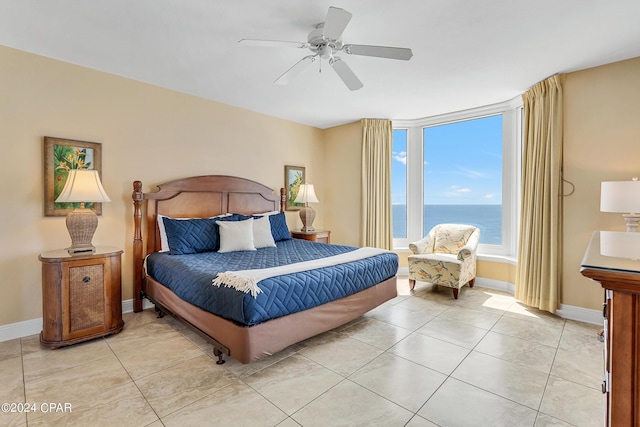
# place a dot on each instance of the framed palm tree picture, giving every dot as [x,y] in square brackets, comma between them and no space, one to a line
[293,178]
[60,156]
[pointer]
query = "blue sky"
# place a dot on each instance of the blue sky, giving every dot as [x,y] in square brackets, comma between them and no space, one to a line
[462,163]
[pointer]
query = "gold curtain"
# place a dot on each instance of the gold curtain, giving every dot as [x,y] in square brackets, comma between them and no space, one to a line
[538,276]
[377,143]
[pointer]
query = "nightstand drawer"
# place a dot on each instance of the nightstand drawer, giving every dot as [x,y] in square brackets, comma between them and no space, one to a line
[86,297]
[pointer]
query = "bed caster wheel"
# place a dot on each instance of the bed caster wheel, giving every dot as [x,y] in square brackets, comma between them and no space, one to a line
[219,355]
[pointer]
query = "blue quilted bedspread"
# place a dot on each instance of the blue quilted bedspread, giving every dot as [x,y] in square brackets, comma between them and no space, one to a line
[190,277]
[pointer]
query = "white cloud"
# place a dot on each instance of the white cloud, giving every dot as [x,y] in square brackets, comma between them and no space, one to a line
[472,173]
[400,157]
[458,189]
[489,196]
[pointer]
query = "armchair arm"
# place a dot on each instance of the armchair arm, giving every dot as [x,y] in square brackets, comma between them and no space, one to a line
[464,252]
[422,246]
[471,247]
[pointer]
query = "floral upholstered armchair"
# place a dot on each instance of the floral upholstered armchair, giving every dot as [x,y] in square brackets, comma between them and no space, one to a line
[445,257]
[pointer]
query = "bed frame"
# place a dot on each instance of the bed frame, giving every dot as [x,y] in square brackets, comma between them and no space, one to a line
[206,196]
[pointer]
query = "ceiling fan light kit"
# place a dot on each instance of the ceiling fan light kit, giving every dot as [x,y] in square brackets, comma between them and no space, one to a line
[325,42]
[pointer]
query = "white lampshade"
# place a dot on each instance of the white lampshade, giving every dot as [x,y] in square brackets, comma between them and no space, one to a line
[306,194]
[83,185]
[622,197]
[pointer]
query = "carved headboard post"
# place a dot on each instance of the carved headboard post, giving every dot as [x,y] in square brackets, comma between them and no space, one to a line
[283,199]
[137,197]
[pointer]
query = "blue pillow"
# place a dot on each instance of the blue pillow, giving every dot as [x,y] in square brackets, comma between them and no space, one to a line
[279,228]
[191,236]
[194,235]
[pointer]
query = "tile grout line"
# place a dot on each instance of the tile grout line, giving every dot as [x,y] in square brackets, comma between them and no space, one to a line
[24,382]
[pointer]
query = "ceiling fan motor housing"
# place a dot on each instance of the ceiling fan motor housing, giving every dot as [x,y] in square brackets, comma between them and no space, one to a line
[322,46]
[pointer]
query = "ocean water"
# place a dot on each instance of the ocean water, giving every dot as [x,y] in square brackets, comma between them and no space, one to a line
[488,218]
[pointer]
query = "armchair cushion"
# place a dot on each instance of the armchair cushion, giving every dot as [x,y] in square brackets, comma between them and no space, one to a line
[450,238]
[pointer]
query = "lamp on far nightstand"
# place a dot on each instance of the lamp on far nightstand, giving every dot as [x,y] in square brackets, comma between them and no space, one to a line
[622,197]
[82,186]
[307,195]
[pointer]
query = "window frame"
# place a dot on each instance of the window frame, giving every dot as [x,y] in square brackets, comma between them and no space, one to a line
[511,112]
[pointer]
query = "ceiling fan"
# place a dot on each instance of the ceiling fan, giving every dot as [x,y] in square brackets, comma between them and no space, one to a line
[325,42]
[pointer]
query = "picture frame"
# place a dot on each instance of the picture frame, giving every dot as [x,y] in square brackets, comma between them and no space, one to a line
[293,177]
[61,155]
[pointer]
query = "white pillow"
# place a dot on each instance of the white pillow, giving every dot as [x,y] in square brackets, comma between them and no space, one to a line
[236,235]
[164,242]
[262,237]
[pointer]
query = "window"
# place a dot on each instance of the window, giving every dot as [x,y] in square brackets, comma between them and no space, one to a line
[458,168]
[463,175]
[399,183]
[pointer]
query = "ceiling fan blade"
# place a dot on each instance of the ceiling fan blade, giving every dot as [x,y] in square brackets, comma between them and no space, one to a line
[286,77]
[378,51]
[345,73]
[336,22]
[271,43]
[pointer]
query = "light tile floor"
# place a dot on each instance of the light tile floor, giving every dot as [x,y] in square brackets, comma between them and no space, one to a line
[422,359]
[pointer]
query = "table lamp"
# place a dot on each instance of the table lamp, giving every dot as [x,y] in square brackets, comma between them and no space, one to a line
[622,197]
[82,185]
[307,195]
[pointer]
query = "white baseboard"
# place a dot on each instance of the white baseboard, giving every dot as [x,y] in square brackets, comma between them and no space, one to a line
[20,329]
[497,285]
[580,314]
[127,306]
[34,326]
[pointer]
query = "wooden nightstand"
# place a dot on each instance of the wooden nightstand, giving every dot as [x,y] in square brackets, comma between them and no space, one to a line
[322,236]
[81,296]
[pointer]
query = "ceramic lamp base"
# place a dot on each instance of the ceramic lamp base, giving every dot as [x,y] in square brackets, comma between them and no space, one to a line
[307,215]
[632,220]
[82,224]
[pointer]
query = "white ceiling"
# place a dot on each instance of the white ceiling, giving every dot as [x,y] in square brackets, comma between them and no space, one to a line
[466,53]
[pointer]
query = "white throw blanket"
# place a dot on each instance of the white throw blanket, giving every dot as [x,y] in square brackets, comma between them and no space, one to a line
[247,280]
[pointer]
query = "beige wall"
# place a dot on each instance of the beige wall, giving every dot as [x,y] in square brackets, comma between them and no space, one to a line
[601,143]
[146,132]
[342,180]
[155,135]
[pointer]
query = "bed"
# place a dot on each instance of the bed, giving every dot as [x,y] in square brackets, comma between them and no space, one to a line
[254,318]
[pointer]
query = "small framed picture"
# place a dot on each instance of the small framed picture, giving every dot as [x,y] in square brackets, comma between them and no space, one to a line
[61,155]
[293,178]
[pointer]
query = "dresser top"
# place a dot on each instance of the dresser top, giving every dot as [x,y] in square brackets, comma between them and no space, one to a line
[613,251]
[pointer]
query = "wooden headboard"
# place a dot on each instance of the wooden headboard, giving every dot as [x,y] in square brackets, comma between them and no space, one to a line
[193,197]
